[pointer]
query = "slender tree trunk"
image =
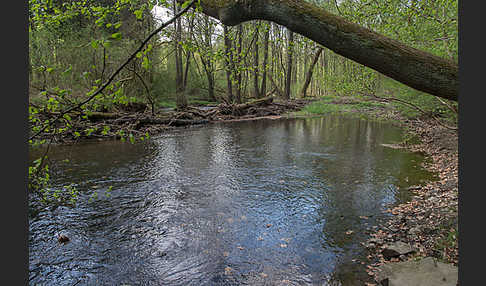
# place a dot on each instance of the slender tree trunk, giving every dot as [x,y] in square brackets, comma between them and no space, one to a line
[290,46]
[181,100]
[188,54]
[209,77]
[263,90]
[256,90]
[273,54]
[240,65]
[228,62]
[205,58]
[308,76]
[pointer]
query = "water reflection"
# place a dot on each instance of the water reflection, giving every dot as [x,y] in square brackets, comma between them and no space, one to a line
[249,203]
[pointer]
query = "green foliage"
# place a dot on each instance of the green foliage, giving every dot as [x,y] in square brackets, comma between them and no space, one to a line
[427,103]
[39,184]
[324,106]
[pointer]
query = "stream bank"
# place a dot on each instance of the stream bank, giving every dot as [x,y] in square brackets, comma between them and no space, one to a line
[428,224]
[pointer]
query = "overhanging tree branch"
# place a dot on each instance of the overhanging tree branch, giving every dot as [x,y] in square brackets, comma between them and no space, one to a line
[415,68]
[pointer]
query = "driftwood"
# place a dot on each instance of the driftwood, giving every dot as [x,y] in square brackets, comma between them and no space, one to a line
[239,109]
[170,121]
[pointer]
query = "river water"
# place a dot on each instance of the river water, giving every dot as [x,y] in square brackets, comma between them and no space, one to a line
[268,202]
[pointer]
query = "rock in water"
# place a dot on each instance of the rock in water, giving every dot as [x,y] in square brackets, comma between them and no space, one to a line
[413,273]
[62,239]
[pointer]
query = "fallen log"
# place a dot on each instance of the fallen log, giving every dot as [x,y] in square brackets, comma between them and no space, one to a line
[170,121]
[257,102]
[239,109]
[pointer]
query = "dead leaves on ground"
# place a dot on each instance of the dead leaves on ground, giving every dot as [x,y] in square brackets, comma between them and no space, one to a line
[421,221]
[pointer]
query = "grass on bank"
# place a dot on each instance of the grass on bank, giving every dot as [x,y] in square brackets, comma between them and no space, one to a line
[397,94]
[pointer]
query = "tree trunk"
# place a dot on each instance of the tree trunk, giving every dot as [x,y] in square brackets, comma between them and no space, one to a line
[238,71]
[181,100]
[188,54]
[290,51]
[415,68]
[255,63]
[206,60]
[263,90]
[228,62]
[308,76]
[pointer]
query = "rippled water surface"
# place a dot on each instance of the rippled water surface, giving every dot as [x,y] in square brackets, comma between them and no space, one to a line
[269,202]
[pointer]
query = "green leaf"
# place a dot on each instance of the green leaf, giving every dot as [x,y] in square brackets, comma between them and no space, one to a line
[138,14]
[117,35]
[185,4]
[68,70]
[107,44]
[99,22]
[145,63]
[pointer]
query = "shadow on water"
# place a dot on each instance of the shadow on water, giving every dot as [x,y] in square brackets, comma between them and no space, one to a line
[268,202]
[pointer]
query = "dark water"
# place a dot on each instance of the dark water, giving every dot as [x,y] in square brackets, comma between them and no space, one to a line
[250,203]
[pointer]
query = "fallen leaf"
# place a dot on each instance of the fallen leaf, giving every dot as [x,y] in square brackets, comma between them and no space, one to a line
[349,232]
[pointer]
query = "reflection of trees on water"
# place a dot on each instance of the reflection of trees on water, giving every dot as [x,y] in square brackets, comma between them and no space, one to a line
[359,174]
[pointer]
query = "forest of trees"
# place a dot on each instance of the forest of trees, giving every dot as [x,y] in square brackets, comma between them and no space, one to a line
[77,47]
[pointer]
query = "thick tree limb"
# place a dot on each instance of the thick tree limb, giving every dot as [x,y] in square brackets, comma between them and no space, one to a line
[415,68]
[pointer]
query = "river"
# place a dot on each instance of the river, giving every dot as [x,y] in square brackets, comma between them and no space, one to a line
[268,202]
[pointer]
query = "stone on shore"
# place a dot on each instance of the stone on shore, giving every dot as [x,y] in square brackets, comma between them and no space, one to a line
[396,249]
[426,271]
